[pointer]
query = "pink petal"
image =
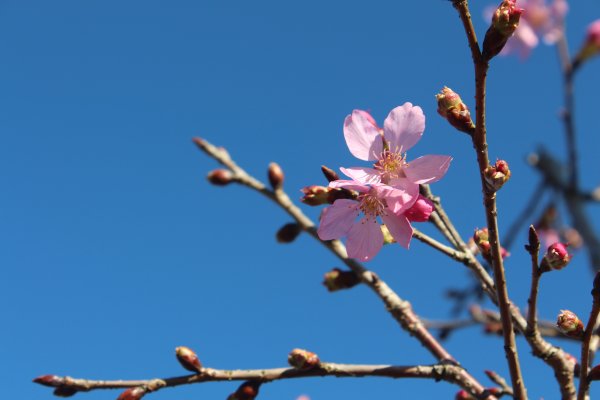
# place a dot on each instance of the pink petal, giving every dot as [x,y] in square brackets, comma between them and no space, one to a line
[404,127]
[427,169]
[337,219]
[362,175]
[365,239]
[400,197]
[399,228]
[362,136]
[350,185]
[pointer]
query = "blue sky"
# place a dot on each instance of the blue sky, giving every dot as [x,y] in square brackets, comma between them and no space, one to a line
[116,250]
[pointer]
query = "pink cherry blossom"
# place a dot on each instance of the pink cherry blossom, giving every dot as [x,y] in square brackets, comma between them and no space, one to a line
[364,237]
[387,148]
[539,20]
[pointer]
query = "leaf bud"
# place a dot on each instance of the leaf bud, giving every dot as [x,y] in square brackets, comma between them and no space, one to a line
[188,359]
[463,395]
[303,359]
[276,176]
[220,177]
[288,233]
[49,380]
[134,393]
[247,391]
[65,391]
[337,279]
[330,174]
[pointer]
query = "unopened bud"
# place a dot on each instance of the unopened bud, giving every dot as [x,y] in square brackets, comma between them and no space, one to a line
[497,175]
[188,359]
[569,324]
[463,395]
[336,279]
[288,233]
[49,380]
[481,238]
[275,176]
[247,391]
[303,359]
[452,108]
[330,174]
[318,195]
[591,46]
[594,374]
[134,393]
[504,23]
[556,257]
[220,177]
[65,391]
[420,211]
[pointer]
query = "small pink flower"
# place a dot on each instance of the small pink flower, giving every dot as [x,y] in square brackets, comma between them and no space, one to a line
[538,20]
[364,237]
[420,210]
[387,148]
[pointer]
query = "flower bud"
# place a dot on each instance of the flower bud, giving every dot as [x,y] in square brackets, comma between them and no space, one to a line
[497,175]
[481,238]
[65,391]
[569,324]
[188,359]
[463,395]
[220,177]
[330,174]
[504,23]
[303,359]
[134,393]
[49,380]
[591,46]
[556,257]
[247,391]
[420,210]
[276,176]
[336,279]
[452,108]
[318,195]
[288,233]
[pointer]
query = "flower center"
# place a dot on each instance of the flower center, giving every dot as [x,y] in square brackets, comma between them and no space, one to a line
[371,205]
[390,164]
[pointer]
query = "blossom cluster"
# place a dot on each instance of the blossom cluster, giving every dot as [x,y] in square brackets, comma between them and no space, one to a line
[389,189]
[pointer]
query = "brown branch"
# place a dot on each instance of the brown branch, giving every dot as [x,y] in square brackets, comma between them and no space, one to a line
[449,373]
[442,248]
[533,248]
[587,337]
[401,310]
[489,200]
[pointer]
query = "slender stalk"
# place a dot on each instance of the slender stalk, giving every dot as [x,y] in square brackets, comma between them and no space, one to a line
[536,273]
[584,384]
[442,248]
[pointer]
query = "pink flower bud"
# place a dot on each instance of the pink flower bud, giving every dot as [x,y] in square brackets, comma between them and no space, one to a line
[504,23]
[569,324]
[276,176]
[220,177]
[420,211]
[591,46]
[303,359]
[288,233]
[134,393]
[556,257]
[497,175]
[188,359]
[330,174]
[481,238]
[336,279]
[49,380]
[452,108]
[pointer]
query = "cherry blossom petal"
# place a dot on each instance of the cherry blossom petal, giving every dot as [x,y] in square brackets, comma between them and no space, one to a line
[350,185]
[404,127]
[399,228]
[427,169]
[362,136]
[362,175]
[365,239]
[399,197]
[337,219]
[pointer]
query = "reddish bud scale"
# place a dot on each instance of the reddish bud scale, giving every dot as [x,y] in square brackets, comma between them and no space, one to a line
[463,395]
[303,359]
[336,279]
[64,391]
[288,233]
[49,380]
[594,374]
[570,324]
[591,46]
[330,174]
[318,195]
[556,257]
[481,239]
[276,176]
[452,108]
[220,177]
[247,391]
[188,359]
[135,393]
[497,175]
[504,23]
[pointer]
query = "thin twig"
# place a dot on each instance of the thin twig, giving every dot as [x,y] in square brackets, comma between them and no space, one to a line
[587,337]
[442,248]
[533,248]
[400,309]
